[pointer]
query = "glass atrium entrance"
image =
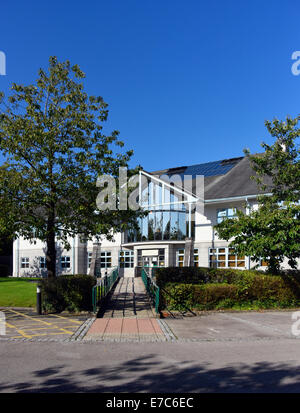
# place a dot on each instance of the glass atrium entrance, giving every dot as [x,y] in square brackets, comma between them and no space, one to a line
[170,210]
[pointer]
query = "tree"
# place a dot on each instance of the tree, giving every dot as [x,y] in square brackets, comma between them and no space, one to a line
[272,232]
[51,134]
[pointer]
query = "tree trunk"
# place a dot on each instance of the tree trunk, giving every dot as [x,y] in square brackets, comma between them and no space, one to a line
[51,249]
[274,266]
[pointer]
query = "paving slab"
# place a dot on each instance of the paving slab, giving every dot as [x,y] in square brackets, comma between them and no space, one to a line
[125,328]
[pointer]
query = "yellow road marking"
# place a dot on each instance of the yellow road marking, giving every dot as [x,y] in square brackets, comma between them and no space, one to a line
[41,321]
[33,325]
[39,335]
[44,328]
[71,321]
[32,318]
[18,330]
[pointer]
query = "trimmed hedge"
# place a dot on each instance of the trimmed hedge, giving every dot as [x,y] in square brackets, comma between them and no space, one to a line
[199,275]
[67,292]
[221,289]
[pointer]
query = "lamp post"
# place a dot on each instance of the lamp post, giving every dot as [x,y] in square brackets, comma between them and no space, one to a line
[38,300]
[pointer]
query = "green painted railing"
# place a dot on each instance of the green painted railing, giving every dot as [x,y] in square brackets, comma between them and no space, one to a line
[151,288]
[103,287]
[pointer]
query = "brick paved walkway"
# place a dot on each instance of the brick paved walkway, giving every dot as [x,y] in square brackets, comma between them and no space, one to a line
[128,315]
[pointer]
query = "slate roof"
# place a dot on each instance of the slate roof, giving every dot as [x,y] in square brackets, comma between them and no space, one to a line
[224,178]
[236,182]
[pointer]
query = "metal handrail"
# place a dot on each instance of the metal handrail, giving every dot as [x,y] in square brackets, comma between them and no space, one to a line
[103,287]
[151,288]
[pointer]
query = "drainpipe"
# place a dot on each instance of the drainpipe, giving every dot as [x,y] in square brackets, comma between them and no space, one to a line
[140,188]
[190,221]
[18,257]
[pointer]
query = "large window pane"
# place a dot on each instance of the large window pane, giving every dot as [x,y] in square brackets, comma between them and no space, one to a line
[167,198]
[174,225]
[158,196]
[151,226]
[182,225]
[144,228]
[166,225]
[158,225]
[151,189]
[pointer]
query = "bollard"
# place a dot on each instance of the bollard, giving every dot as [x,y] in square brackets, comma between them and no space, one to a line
[38,300]
[2,324]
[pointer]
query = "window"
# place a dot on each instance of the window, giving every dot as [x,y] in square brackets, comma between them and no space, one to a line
[65,262]
[126,259]
[161,257]
[196,257]
[180,258]
[261,262]
[225,258]
[225,213]
[89,259]
[42,261]
[24,262]
[105,259]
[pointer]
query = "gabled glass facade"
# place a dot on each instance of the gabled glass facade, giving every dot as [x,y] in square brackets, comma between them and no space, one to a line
[160,226]
[167,218]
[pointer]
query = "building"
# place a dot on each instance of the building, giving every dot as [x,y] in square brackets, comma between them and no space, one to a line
[184,204]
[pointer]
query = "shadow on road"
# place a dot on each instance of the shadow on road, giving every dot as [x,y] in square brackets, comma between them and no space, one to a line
[147,374]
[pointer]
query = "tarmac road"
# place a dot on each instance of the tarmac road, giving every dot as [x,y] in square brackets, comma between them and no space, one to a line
[261,357]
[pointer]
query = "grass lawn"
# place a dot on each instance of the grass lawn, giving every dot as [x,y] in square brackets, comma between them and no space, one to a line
[17,292]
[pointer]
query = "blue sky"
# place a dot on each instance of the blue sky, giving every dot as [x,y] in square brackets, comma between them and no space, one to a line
[186,81]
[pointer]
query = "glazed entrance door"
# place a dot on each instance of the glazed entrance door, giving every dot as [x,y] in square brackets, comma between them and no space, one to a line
[151,261]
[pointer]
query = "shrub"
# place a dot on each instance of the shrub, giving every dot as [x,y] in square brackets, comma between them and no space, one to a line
[186,275]
[209,296]
[200,297]
[177,296]
[233,289]
[272,289]
[67,292]
[200,275]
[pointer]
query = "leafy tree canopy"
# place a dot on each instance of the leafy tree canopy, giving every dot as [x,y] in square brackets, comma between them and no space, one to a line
[272,232]
[51,135]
